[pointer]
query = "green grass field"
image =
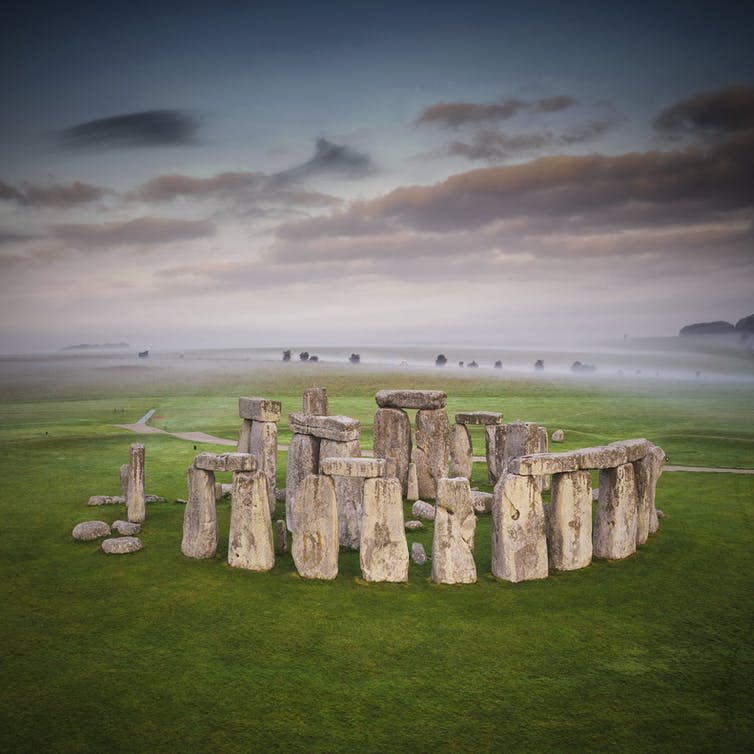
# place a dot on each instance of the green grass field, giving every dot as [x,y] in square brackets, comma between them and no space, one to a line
[154,652]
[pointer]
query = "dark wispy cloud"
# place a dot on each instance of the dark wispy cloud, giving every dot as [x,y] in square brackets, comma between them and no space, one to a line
[723,111]
[456,114]
[331,159]
[143,129]
[142,230]
[55,195]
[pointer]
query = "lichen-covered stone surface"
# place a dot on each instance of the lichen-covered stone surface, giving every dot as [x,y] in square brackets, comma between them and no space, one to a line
[413,399]
[349,492]
[315,529]
[200,515]
[423,510]
[383,550]
[354,466]
[418,554]
[315,401]
[569,524]
[614,535]
[461,458]
[259,409]
[432,452]
[121,545]
[303,459]
[647,471]
[90,530]
[135,499]
[250,543]
[453,541]
[519,542]
[126,528]
[225,462]
[479,417]
[338,428]
[481,501]
[95,500]
[391,433]
[263,445]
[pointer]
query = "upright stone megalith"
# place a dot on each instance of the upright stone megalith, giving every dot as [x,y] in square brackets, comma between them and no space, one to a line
[315,529]
[392,439]
[519,542]
[614,535]
[200,515]
[250,544]
[453,541]
[136,497]
[303,459]
[647,471]
[349,492]
[569,524]
[461,456]
[315,401]
[432,451]
[383,550]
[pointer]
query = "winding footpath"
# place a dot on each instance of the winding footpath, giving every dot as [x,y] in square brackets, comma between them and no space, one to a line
[141,427]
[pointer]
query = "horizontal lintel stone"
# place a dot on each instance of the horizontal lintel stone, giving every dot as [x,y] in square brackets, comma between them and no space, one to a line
[419,399]
[338,428]
[601,457]
[537,464]
[635,449]
[225,462]
[259,409]
[354,467]
[479,417]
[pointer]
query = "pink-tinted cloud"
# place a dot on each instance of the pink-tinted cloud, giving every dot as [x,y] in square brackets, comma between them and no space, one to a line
[455,114]
[142,230]
[54,195]
[726,110]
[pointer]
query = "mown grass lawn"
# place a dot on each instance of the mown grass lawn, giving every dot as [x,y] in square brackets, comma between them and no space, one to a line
[154,652]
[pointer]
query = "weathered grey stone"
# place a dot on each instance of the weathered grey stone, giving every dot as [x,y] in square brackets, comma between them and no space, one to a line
[250,543]
[303,459]
[121,545]
[558,435]
[569,523]
[281,537]
[263,445]
[383,551]
[418,554]
[315,401]
[453,540]
[647,471]
[225,462]
[420,399]
[431,455]
[481,501]
[614,535]
[338,428]
[125,471]
[539,464]
[635,448]
[494,445]
[126,528]
[135,499]
[222,490]
[89,530]
[391,433]
[106,499]
[349,492]
[519,542]
[461,457]
[200,515]
[423,510]
[412,483]
[353,467]
[154,499]
[521,438]
[315,529]
[280,495]
[544,447]
[244,436]
[601,457]
[412,525]
[259,409]
[486,418]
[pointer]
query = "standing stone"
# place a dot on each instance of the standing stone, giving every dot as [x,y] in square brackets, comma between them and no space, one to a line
[125,472]
[250,541]
[432,449]
[647,471]
[135,498]
[263,445]
[315,401]
[615,521]
[392,439]
[519,542]
[461,457]
[244,436]
[349,492]
[383,550]
[544,447]
[569,524]
[315,529]
[281,537]
[200,515]
[412,485]
[453,540]
[303,459]
[494,447]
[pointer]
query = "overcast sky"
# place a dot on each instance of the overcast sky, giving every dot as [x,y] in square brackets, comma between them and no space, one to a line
[335,173]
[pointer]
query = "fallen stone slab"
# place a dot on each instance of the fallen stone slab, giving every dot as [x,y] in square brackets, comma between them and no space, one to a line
[154,499]
[537,464]
[423,510]
[481,501]
[259,409]
[121,545]
[558,435]
[479,417]
[365,468]
[418,553]
[413,525]
[338,428]
[90,530]
[225,462]
[419,399]
[126,528]
[107,500]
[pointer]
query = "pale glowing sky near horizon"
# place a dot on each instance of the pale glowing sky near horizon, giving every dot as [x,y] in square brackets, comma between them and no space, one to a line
[373,173]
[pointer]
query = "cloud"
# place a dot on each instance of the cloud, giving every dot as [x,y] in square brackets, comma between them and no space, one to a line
[56,195]
[331,159]
[143,129]
[723,111]
[142,230]
[456,114]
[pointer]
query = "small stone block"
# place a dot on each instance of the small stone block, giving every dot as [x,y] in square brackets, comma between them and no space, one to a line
[225,462]
[419,399]
[121,545]
[259,409]
[479,417]
[353,467]
[89,530]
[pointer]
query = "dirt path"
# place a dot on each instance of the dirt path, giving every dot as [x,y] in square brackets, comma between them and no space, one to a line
[142,428]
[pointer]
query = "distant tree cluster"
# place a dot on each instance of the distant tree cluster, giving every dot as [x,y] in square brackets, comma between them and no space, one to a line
[286,355]
[441,360]
[579,368]
[355,358]
[539,365]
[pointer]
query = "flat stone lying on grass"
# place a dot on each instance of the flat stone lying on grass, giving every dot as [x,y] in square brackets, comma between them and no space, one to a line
[121,545]
[485,418]
[106,500]
[259,409]
[89,530]
[558,435]
[419,399]
[225,462]
[353,467]
[418,554]
[413,524]
[423,510]
[481,501]
[338,428]
[126,528]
